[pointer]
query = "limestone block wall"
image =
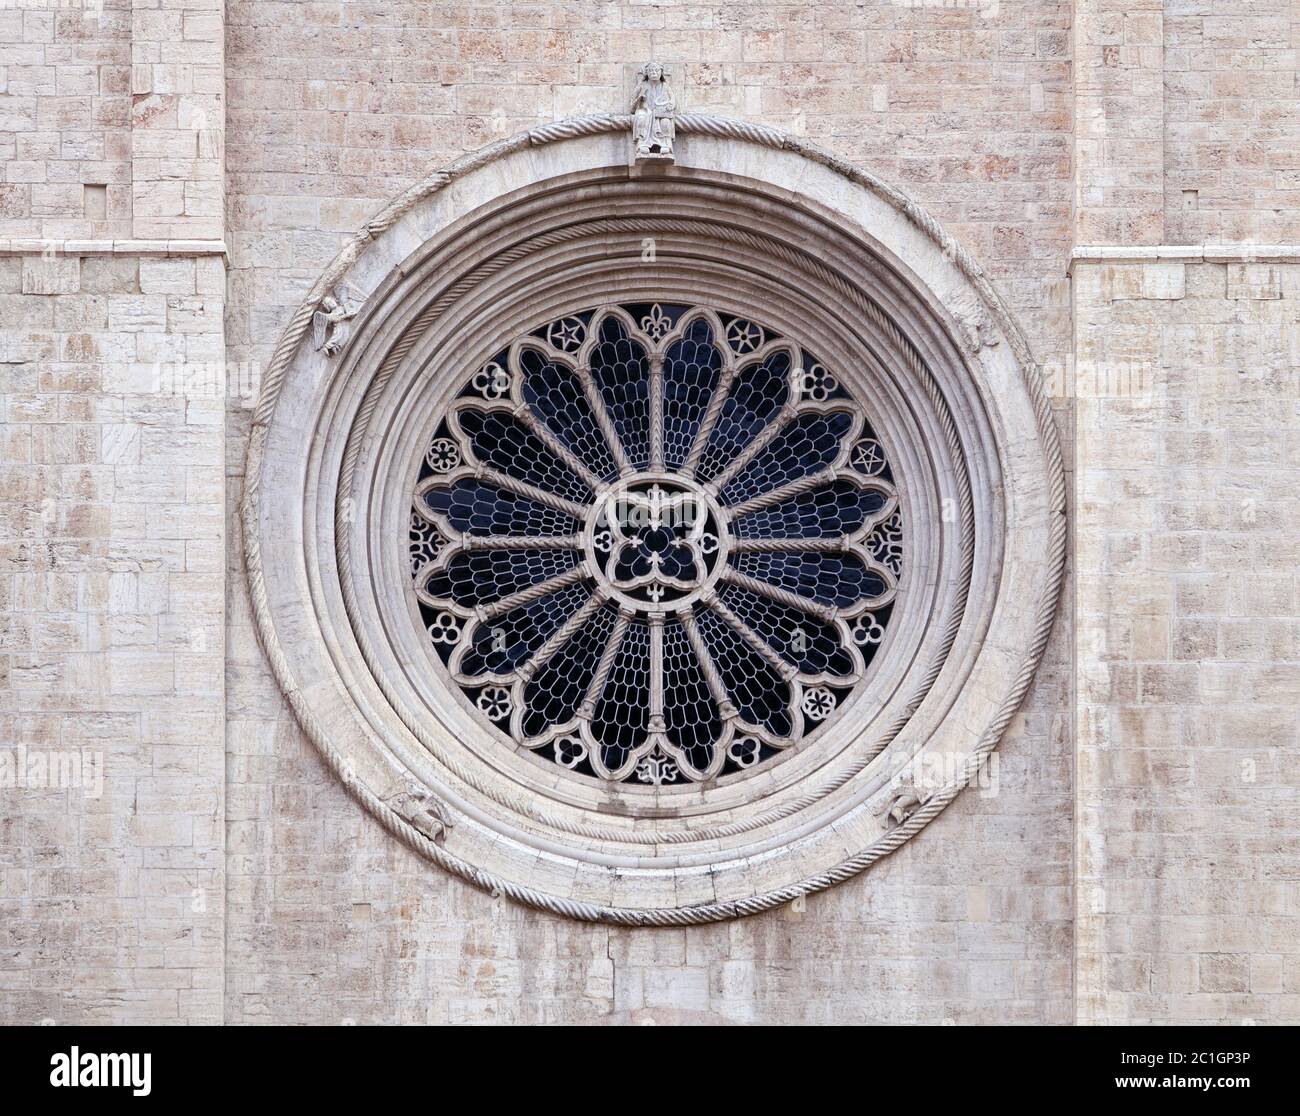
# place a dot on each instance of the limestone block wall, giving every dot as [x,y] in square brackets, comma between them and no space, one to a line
[1119,111]
[111,119]
[177,118]
[332,115]
[1187,122]
[112,528]
[1232,122]
[65,119]
[174,174]
[1187,816]
[112,587]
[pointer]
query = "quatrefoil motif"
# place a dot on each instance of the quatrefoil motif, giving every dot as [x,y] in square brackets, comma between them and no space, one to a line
[659,542]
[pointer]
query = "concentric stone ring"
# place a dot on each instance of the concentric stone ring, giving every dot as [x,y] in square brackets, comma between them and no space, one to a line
[543,325]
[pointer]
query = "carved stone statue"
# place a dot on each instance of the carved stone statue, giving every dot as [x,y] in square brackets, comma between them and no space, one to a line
[330,324]
[653,110]
[902,804]
[422,810]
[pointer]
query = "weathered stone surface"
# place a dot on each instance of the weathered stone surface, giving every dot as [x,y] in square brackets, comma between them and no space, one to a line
[1186,802]
[1159,885]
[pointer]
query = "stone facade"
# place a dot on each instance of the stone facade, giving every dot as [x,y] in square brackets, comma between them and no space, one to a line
[1185,637]
[174,177]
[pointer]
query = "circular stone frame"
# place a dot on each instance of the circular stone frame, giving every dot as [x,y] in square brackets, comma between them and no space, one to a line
[748,219]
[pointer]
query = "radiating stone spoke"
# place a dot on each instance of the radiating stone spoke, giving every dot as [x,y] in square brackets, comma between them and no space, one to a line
[657,723]
[534,592]
[521,542]
[760,442]
[656,411]
[789,546]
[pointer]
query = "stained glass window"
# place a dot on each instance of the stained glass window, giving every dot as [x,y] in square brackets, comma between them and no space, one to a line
[656,543]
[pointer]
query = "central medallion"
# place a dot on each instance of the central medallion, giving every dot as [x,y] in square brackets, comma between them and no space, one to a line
[657,542]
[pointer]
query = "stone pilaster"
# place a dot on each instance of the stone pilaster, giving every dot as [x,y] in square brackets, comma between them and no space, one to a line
[1119,121]
[1186,635]
[112,571]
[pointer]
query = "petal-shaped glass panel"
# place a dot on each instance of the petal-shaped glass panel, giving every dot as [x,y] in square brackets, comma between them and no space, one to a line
[761,695]
[504,643]
[503,442]
[557,689]
[477,508]
[816,649]
[621,372]
[621,721]
[556,397]
[692,367]
[832,511]
[756,396]
[481,577]
[693,722]
[809,443]
[837,579]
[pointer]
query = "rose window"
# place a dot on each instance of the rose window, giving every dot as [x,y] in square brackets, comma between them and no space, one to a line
[647,608]
[656,543]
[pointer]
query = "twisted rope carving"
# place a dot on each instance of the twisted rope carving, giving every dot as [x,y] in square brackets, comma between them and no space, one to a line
[708,912]
[531,593]
[359,436]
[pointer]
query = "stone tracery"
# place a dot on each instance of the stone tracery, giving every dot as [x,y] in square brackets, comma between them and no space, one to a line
[346,435]
[660,530]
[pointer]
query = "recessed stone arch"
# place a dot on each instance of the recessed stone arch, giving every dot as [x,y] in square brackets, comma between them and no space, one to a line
[748,222]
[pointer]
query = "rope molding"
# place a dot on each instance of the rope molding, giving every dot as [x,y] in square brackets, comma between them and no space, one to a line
[345,535]
[706,912]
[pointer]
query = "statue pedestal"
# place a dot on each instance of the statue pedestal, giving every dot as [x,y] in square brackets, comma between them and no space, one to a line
[653,161]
